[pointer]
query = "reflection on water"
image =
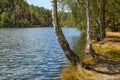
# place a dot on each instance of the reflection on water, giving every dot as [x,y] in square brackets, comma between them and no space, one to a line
[32,53]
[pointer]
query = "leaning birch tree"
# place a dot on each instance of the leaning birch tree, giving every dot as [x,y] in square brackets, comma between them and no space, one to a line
[72,57]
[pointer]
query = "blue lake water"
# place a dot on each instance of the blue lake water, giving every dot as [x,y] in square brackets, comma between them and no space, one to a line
[33,53]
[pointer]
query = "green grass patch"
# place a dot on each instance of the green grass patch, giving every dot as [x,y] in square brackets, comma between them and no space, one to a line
[70,73]
[109,51]
[114,54]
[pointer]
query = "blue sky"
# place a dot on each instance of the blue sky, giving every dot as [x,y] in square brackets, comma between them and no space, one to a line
[41,3]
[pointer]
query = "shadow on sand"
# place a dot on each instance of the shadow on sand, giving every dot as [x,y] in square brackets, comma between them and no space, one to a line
[105,66]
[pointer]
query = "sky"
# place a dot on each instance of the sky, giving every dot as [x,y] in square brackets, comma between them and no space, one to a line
[41,3]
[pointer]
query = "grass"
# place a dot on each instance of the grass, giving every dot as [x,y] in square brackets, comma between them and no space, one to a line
[114,54]
[108,51]
[110,46]
[70,73]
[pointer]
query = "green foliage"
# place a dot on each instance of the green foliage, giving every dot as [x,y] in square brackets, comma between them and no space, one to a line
[18,13]
[113,14]
[77,8]
[66,19]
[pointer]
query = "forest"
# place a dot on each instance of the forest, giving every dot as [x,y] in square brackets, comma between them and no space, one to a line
[100,11]
[18,13]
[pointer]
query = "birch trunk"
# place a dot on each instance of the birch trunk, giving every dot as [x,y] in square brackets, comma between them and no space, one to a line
[89,44]
[72,57]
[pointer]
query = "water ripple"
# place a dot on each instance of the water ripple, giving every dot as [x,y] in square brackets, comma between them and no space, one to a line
[32,53]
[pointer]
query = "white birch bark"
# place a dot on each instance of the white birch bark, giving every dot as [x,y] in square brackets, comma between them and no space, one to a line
[89,44]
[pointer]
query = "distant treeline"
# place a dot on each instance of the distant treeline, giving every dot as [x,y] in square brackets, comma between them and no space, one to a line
[18,13]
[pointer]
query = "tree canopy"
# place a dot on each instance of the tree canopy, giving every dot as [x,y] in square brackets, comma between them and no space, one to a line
[109,9]
[18,13]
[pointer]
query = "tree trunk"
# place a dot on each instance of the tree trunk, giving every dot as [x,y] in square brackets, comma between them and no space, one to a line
[89,47]
[103,22]
[89,43]
[72,57]
[101,19]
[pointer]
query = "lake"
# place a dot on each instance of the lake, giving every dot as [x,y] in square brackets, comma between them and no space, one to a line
[33,53]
